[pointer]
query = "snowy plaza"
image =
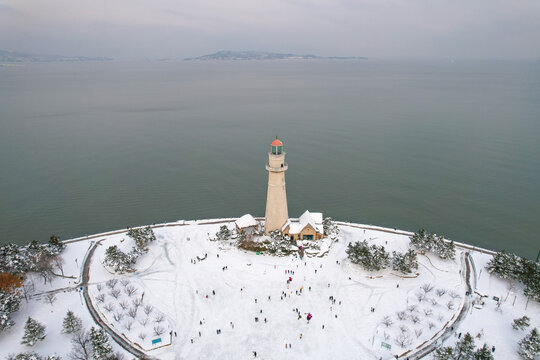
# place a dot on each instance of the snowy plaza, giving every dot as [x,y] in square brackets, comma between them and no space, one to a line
[203,299]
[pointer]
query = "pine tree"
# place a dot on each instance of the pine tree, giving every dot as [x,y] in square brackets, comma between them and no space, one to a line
[29,355]
[529,346]
[445,353]
[119,260]
[55,246]
[465,348]
[483,353]
[521,323]
[9,303]
[224,233]
[72,323]
[33,332]
[404,263]
[100,344]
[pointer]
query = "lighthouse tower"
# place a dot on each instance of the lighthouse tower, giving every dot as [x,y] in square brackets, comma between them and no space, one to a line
[276,199]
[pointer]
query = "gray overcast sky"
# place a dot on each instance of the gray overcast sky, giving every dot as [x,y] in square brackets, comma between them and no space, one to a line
[126,29]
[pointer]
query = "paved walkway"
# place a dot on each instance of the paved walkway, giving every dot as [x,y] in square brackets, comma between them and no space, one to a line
[95,315]
[451,327]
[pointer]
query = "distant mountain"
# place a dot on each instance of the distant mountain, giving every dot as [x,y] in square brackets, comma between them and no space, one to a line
[17,57]
[263,55]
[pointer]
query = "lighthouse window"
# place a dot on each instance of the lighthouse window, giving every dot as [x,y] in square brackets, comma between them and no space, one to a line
[274,150]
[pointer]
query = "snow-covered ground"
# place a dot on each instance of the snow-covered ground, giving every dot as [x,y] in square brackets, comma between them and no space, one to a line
[231,289]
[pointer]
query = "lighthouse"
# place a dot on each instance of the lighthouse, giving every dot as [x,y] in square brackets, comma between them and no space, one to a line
[276,200]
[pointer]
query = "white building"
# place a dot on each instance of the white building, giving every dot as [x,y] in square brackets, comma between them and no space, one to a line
[308,227]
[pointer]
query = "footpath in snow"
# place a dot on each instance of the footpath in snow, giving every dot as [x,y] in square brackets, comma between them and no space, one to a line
[207,299]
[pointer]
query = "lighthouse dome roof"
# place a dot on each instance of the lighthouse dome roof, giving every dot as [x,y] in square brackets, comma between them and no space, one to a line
[276,143]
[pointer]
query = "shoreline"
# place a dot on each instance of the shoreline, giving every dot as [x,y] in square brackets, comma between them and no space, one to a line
[227,220]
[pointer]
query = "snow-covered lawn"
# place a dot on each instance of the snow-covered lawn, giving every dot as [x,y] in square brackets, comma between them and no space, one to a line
[232,302]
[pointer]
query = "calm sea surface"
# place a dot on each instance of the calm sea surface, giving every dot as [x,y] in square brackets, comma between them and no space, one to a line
[452,147]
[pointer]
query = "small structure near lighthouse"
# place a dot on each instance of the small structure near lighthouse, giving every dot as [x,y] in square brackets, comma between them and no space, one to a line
[276,199]
[309,225]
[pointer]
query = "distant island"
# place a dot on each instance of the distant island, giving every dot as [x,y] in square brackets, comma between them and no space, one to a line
[264,55]
[18,57]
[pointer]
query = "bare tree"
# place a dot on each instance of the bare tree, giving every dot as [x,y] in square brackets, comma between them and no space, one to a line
[386,336]
[431,325]
[124,282]
[44,268]
[454,295]
[109,307]
[440,292]
[81,348]
[433,302]
[426,287]
[132,313]
[130,290]
[404,329]
[158,330]
[50,298]
[450,305]
[440,317]
[142,336]
[159,318]
[144,321]
[418,332]
[123,304]
[402,315]
[112,283]
[420,296]
[115,293]
[27,290]
[100,298]
[118,316]
[99,287]
[403,339]
[148,309]
[128,325]
[59,263]
[137,302]
[415,319]
[428,312]
[387,321]
[412,308]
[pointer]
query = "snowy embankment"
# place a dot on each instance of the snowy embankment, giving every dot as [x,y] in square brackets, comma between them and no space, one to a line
[234,302]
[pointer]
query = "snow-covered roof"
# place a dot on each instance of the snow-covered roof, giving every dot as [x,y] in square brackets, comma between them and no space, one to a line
[246,221]
[313,219]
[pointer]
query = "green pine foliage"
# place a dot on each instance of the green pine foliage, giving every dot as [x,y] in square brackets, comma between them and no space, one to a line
[465,347]
[71,324]
[445,353]
[118,260]
[9,303]
[142,238]
[425,242]
[372,258]
[404,262]
[33,332]
[101,348]
[330,228]
[529,346]
[55,246]
[511,266]
[521,323]
[224,233]
[29,355]
[483,353]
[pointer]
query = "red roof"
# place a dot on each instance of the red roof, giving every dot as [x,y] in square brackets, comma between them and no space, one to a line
[276,143]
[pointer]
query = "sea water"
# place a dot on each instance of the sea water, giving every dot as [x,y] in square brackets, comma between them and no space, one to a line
[450,146]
